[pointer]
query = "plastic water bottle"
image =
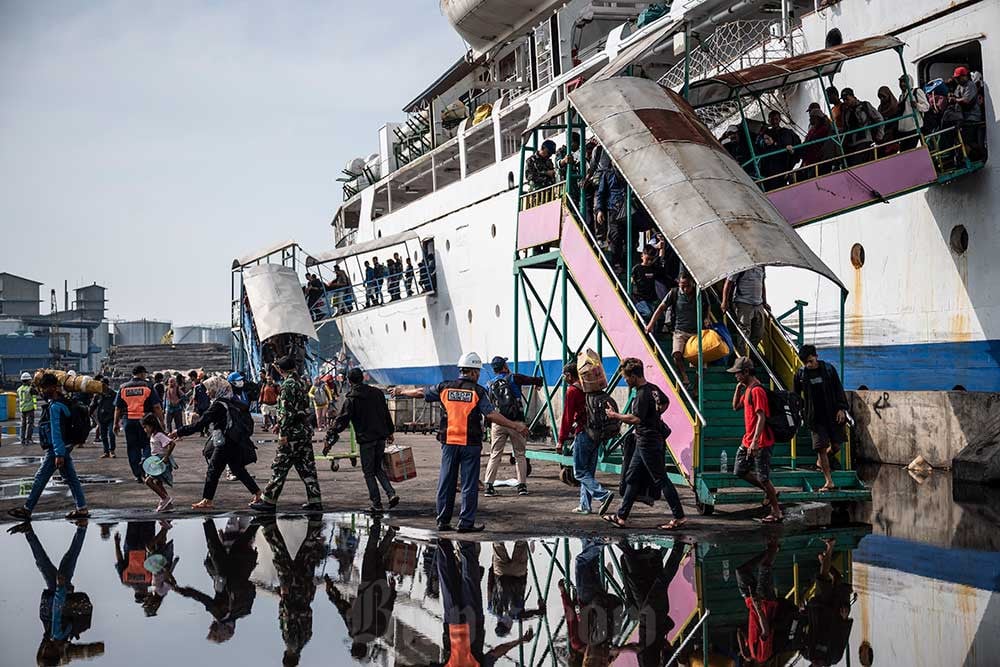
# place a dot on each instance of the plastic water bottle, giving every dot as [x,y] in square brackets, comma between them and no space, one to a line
[724,462]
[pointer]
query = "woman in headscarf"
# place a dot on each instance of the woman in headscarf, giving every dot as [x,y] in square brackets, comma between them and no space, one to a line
[888,107]
[225,452]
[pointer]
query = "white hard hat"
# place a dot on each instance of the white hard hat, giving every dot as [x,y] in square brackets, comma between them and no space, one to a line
[470,360]
[25,376]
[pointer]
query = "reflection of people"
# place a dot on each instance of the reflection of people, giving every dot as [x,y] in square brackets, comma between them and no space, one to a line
[507,586]
[230,566]
[769,617]
[601,612]
[65,613]
[647,579]
[828,614]
[297,586]
[142,541]
[368,616]
[462,599]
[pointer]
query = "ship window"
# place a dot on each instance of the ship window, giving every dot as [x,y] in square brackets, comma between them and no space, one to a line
[447,244]
[497,310]
[380,202]
[387,327]
[493,231]
[380,233]
[857,255]
[447,166]
[423,322]
[512,125]
[470,316]
[510,180]
[404,325]
[479,149]
[959,240]
[941,64]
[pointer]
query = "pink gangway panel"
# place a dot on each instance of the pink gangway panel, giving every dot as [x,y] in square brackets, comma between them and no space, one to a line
[850,188]
[539,225]
[626,335]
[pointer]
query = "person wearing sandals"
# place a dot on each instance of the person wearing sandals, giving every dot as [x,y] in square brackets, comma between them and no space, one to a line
[826,408]
[57,453]
[225,453]
[651,433]
[753,458]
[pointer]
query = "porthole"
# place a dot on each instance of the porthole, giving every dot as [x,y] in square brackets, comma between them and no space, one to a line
[470,316]
[423,322]
[404,325]
[857,255]
[447,244]
[862,387]
[959,239]
[510,179]
[380,233]
[834,38]
[387,327]
[497,310]
[959,387]
[493,231]
[447,318]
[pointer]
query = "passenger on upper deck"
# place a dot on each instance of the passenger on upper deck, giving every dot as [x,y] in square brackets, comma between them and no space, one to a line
[370,285]
[888,108]
[907,125]
[380,272]
[860,114]
[836,108]
[733,142]
[822,152]
[539,172]
[408,277]
[772,138]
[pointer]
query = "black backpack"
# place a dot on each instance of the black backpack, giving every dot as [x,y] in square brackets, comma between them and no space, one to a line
[785,419]
[600,427]
[505,400]
[239,430]
[75,429]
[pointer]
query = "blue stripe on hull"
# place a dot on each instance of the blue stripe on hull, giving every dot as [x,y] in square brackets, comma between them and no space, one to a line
[974,365]
[979,569]
[924,367]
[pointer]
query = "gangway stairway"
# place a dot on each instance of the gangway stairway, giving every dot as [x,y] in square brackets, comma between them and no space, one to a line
[551,234]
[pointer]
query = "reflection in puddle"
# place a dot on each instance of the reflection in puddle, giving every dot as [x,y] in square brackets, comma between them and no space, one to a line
[21,486]
[342,589]
[19,461]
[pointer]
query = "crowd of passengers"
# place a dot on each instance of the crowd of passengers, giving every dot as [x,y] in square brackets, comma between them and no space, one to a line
[857,131]
[396,277]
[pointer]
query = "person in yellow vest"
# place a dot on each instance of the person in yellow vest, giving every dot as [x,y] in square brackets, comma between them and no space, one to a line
[26,404]
[465,404]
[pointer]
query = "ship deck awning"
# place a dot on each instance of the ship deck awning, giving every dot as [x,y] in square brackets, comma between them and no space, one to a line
[362,248]
[461,69]
[712,213]
[770,76]
[263,252]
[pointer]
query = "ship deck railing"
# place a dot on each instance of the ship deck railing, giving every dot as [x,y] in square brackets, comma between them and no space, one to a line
[368,294]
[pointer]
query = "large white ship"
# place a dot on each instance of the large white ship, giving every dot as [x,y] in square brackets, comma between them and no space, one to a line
[923,311]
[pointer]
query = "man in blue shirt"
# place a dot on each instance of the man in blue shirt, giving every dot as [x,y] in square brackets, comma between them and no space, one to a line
[51,431]
[505,394]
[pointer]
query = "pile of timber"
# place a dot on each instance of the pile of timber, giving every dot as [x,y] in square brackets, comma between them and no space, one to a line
[209,357]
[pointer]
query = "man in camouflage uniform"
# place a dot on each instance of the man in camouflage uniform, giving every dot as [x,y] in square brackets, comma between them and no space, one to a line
[294,442]
[539,172]
[297,584]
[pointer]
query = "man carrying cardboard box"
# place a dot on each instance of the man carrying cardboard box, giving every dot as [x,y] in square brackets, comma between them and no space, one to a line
[366,409]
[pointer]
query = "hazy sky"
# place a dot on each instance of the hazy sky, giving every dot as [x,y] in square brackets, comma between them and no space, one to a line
[144,145]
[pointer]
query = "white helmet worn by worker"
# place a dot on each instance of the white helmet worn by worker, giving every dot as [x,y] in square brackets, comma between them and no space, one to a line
[25,376]
[470,360]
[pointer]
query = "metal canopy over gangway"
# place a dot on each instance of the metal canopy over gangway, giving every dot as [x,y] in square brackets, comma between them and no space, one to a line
[719,224]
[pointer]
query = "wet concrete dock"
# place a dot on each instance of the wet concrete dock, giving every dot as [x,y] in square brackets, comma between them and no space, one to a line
[545,511]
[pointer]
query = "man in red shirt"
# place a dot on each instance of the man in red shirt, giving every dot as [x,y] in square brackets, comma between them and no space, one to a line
[755,451]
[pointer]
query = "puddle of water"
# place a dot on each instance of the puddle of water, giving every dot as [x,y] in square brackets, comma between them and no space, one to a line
[21,486]
[19,461]
[345,589]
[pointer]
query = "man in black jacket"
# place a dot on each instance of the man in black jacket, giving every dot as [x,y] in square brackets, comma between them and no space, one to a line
[365,408]
[826,407]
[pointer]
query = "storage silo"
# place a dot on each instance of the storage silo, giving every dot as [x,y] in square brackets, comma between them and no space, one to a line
[140,332]
[219,334]
[188,335]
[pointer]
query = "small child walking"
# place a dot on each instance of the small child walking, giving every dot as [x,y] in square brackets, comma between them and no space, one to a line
[161,446]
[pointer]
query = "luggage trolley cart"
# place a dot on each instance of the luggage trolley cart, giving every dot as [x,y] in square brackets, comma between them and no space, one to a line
[352,454]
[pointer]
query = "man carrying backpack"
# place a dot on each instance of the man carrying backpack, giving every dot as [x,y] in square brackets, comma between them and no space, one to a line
[577,422]
[648,403]
[61,427]
[826,407]
[758,440]
[505,394]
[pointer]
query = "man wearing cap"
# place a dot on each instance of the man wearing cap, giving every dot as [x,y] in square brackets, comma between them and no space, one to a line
[465,404]
[967,95]
[758,441]
[505,394]
[539,172]
[51,432]
[26,404]
[294,442]
[136,398]
[910,99]
[365,408]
